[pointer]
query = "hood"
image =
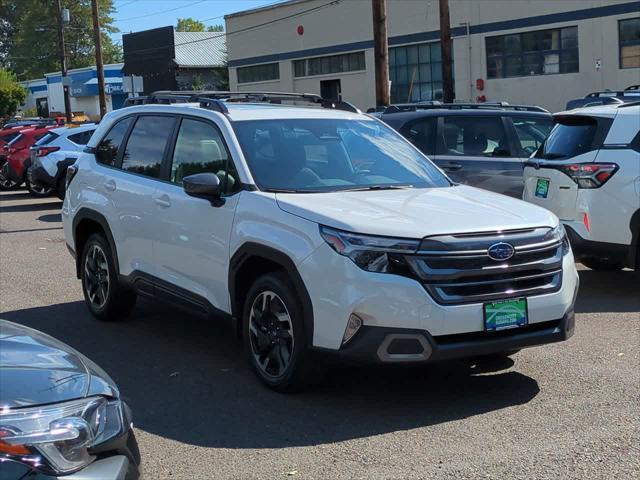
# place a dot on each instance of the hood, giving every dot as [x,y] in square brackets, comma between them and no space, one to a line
[416,212]
[37,369]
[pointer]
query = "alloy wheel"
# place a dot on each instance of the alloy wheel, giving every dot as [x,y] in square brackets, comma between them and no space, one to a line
[7,183]
[271,334]
[96,279]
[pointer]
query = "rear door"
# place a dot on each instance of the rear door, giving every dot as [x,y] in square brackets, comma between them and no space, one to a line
[476,150]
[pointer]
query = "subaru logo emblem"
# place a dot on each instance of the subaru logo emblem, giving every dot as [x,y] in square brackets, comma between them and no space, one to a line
[501,251]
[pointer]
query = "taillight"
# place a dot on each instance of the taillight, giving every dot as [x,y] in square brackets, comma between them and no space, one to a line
[44,151]
[71,172]
[589,175]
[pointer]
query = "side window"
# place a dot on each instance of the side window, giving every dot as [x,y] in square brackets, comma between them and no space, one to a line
[532,132]
[475,136]
[200,148]
[422,134]
[107,150]
[81,138]
[146,144]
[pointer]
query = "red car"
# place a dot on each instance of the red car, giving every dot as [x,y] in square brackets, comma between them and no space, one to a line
[17,154]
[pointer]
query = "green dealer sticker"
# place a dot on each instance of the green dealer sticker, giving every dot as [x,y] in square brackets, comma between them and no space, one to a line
[505,314]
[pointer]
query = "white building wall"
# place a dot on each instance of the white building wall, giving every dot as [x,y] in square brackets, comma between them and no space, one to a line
[350,22]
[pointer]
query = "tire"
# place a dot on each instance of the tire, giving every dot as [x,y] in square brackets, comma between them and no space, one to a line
[601,265]
[37,190]
[276,347]
[104,295]
[7,184]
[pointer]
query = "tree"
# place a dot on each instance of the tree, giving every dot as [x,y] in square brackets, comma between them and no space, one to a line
[33,40]
[192,25]
[11,94]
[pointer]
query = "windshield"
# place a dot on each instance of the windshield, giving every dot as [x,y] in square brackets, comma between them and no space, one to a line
[323,155]
[568,140]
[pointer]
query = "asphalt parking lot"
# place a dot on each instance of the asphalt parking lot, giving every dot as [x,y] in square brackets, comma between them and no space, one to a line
[563,411]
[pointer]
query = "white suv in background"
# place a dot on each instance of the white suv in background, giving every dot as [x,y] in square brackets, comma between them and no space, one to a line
[318,230]
[587,172]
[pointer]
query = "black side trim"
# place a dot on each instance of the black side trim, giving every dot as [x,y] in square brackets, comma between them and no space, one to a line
[88,214]
[158,289]
[62,167]
[634,251]
[252,250]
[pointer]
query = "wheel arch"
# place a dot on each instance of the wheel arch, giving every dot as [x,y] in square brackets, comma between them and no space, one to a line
[252,260]
[85,223]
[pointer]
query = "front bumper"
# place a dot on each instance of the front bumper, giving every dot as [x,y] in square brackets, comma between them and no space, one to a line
[117,467]
[397,345]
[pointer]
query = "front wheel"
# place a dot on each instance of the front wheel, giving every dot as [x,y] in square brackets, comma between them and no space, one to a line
[601,265]
[274,335]
[106,298]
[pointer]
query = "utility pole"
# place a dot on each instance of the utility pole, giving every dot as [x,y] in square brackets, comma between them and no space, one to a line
[63,64]
[381,51]
[445,47]
[99,66]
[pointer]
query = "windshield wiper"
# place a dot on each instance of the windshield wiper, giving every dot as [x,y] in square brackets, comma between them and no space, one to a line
[377,187]
[288,190]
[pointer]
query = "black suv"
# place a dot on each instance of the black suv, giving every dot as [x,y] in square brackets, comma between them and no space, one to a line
[479,144]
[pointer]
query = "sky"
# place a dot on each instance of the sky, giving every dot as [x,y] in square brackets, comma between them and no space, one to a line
[136,15]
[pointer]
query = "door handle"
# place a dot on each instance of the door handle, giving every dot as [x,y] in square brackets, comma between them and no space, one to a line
[163,201]
[110,185]
[452,166]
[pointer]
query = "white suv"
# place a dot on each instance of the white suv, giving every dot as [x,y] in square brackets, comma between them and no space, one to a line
[318,230]
[587,172]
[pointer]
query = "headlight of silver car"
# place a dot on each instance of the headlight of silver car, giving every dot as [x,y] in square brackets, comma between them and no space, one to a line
[62,433]
[372,253]
[559,233]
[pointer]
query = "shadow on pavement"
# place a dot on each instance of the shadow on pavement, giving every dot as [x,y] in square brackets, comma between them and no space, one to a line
[50,217]
[30,207]
[186,379]
[19,195]
[608,291]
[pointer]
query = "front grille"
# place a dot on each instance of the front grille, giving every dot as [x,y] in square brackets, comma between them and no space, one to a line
[457,269]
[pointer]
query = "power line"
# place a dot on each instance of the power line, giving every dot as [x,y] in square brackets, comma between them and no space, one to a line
[246,29]
[158,13]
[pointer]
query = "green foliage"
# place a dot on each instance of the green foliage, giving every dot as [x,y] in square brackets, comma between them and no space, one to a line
[29,36]
[197,83]
[191,25]
[11,94]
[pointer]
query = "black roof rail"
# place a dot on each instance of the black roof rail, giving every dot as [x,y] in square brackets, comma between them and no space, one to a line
[412,107]
[215,100]
[632,87]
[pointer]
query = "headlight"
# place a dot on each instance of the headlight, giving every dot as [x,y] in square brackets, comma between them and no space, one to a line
[371,253]
[61,434]
[559,233]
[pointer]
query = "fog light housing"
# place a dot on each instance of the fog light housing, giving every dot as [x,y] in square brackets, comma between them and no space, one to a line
[353,325]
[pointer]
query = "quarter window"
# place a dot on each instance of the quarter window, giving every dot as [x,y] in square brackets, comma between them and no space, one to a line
[146,145]
[107,150]
[81,138]
[542,52]
[475,136]
[629,37]
[200,148]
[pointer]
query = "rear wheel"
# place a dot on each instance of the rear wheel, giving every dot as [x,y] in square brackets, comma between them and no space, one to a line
[8,184]
[274,335]
[106,298]
[37,189]
[601,265]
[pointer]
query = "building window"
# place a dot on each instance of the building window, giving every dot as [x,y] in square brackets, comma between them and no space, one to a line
[415,72]
[629,37]
[259,73]
[349,62]
[542,52]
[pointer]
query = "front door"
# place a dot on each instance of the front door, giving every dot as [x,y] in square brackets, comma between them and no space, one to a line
[192,245]
[331,89]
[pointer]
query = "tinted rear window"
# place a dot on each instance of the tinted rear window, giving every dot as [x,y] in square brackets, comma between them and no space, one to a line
[81,138]
[569,139]
[48,138]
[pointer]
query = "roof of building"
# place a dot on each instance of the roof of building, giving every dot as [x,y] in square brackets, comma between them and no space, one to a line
[264,8]
[200,49]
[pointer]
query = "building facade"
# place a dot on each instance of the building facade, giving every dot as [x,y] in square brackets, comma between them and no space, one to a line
[542,52]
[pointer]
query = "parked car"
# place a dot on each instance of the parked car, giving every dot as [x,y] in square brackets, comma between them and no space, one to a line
[606,97]
[588,173]
[17,154]
[53,153]
[317,230]
[62,415]
[479,144]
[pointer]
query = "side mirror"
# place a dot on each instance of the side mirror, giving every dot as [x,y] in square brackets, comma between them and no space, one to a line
[204,185]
